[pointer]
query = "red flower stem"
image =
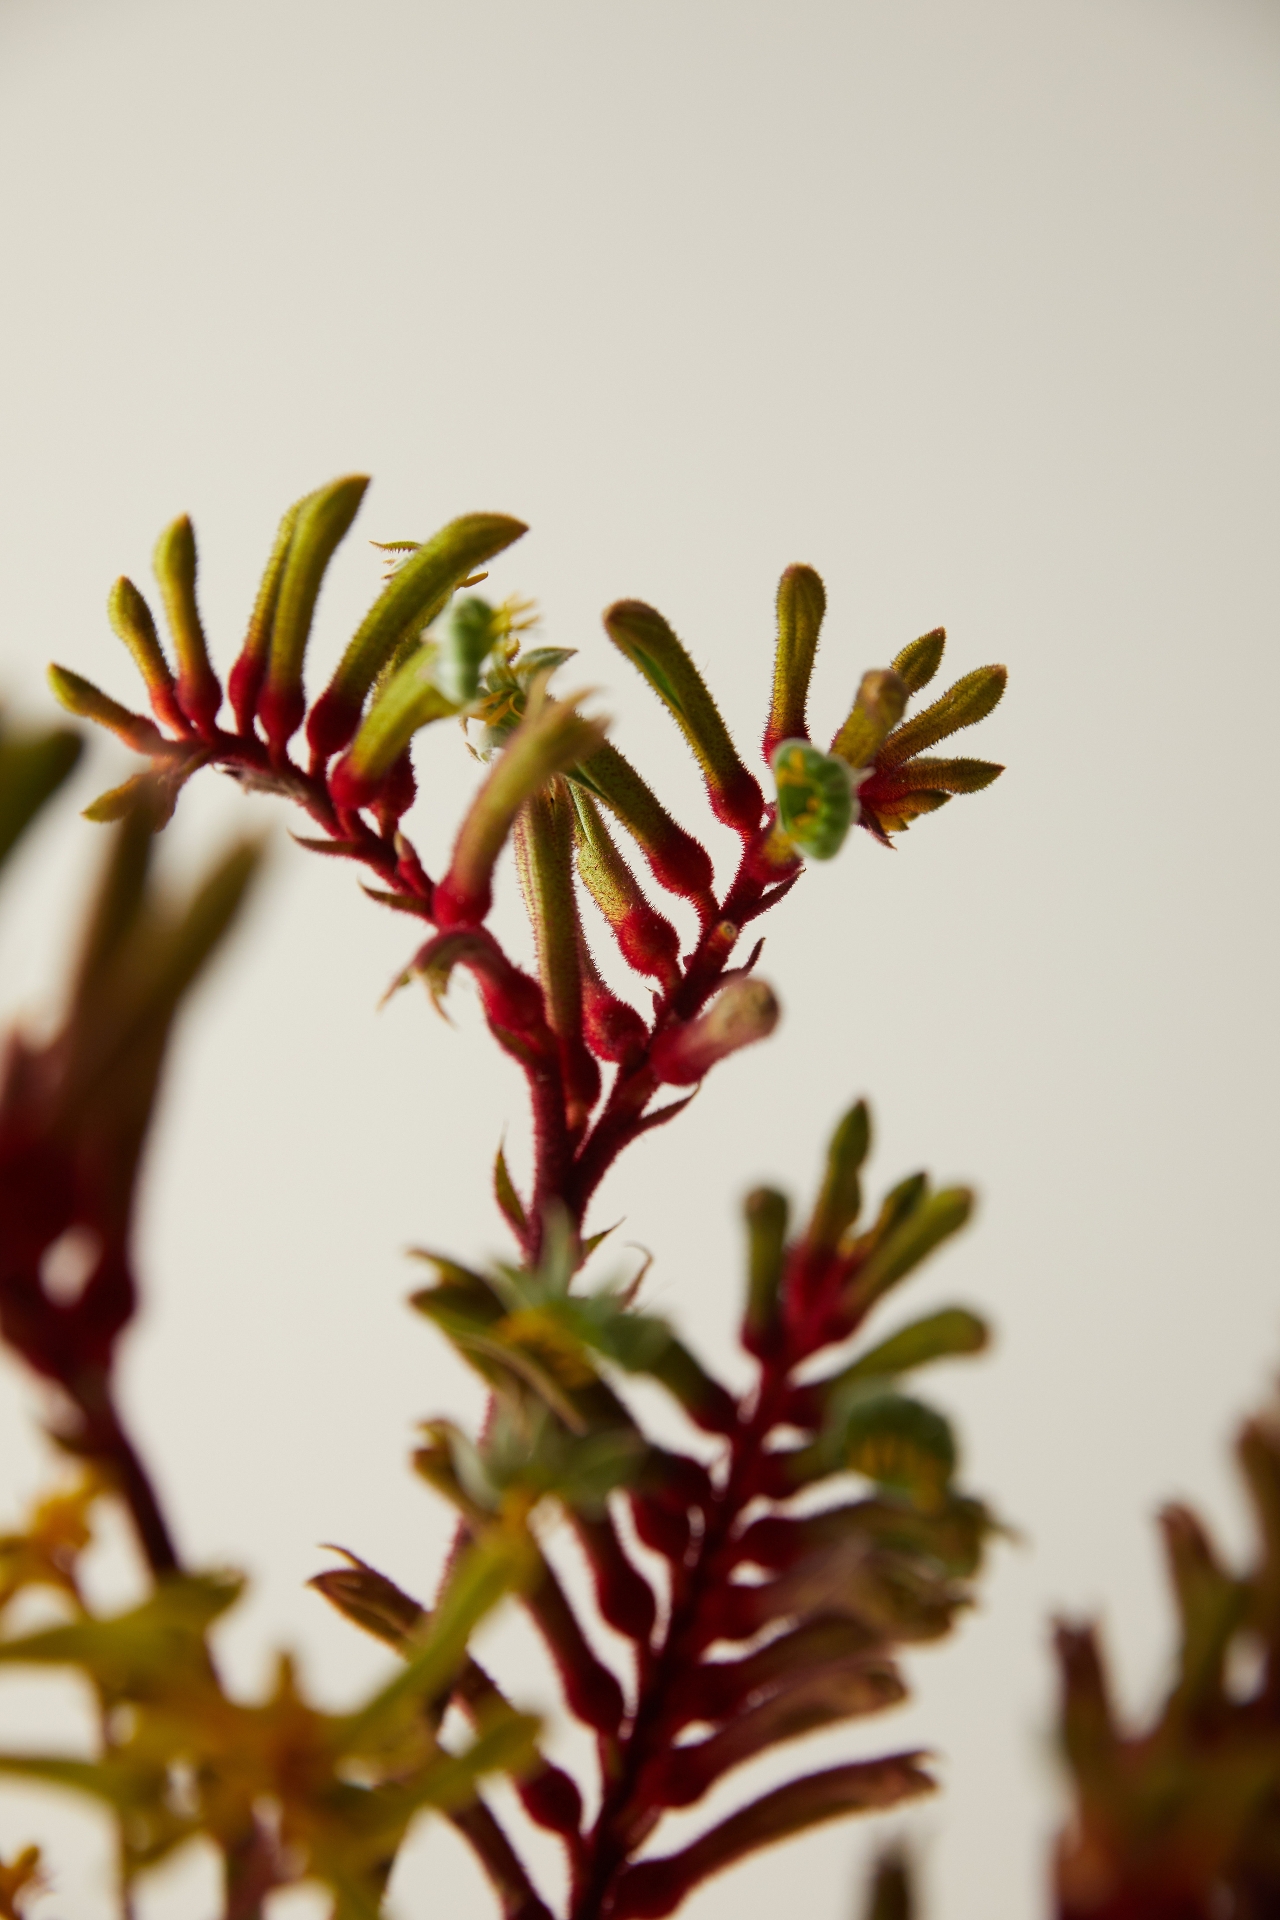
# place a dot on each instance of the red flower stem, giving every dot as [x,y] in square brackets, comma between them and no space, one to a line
[241,755]
[620,1119]
[552,1158]
[104,1439]
[625,1820]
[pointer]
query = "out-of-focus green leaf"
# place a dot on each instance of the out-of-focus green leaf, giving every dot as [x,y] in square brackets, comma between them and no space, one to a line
[131,1653]
[370,1600]
[493,1566]
[839,1201]
[1211,1606]
[766,1213]
[32,768]
[643,1343]
[894,1250]
[900,1443]
[939,1336]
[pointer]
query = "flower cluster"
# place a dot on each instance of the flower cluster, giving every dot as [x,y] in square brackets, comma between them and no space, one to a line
[763,1576]
[429,650]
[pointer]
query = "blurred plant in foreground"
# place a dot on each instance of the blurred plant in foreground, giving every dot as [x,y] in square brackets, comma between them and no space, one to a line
[765,1573]
[1181,1821]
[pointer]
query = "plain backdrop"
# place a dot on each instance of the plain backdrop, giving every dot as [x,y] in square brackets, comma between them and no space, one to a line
[974,307]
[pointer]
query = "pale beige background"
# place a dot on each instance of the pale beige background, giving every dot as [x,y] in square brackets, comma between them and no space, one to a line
[975,307]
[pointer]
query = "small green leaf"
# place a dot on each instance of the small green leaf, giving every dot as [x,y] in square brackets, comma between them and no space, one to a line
[508,1199]
[367,1598]
[128,1652]
[540,660]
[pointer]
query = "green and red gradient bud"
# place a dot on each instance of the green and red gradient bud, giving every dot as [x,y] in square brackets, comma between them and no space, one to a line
[199,690]
[244,683]
[641,633]
[677,861]
[413,596]
[87,702]
[409,701]
[132,620]
[646,938]
[802,602]
[551,738]
[322,522]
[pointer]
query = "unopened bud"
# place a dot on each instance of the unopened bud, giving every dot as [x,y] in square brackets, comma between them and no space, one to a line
[881,703]
[131,618]
[744,1010]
